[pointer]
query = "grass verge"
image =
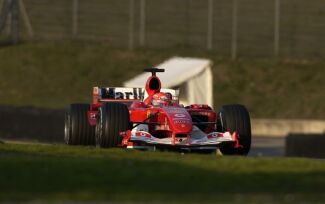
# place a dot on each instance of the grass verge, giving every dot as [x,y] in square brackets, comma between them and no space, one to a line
[59,73]
[62,173]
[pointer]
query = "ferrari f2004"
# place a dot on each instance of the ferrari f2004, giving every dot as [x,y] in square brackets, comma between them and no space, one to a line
[153,118]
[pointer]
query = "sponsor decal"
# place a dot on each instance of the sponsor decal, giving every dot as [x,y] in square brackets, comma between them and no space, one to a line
[215,135]
[181,121]
[142,134]
[122,93]
[188,119]
[179,115]
[175,110]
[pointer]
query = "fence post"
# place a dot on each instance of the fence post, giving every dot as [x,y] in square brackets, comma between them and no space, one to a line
[276,28]
[142,22]
[3,14]
[131,24]
[25,18]
[210,24]
[1,4]
[7,27]
[234,30]
[75,8]
[14,22]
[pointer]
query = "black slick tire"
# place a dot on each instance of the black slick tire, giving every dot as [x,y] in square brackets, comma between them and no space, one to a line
[77,130]
[235,118]
[113,118]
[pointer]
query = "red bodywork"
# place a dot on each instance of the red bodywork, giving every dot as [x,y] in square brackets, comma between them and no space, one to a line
[174,121]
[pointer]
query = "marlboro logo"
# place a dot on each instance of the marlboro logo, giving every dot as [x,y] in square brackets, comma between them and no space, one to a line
[122,93]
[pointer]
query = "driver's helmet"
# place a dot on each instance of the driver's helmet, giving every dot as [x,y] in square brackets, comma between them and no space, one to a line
[161,99]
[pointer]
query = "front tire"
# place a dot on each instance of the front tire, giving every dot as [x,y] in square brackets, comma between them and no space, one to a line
[235,118]
[113,119]
[77,130]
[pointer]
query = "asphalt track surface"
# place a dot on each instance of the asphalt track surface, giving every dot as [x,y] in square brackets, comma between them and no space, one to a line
[261,146]
[268,146]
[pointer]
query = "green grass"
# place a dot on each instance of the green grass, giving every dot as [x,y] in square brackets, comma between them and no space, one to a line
[59,172]
[59,73]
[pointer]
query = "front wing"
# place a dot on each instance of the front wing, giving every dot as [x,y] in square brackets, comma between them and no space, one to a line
[193,141]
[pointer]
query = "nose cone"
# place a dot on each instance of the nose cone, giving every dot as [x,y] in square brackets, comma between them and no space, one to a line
[180,120]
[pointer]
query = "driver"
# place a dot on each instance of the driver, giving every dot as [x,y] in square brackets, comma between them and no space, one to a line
[161,99]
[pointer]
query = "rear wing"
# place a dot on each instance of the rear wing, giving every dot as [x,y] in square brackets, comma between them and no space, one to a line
[123,94]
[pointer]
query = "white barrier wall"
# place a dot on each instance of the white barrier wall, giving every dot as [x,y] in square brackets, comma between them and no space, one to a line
[282,127]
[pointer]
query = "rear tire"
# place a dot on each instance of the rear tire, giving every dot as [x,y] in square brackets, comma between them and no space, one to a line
[113,119]
[235,118]
[77,130]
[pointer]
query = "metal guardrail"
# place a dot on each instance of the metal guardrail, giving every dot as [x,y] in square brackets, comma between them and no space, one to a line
[29,123]
[305,145]
[47,125]
[284,127]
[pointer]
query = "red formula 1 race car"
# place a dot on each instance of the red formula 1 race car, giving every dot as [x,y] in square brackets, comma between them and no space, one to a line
[154,119]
